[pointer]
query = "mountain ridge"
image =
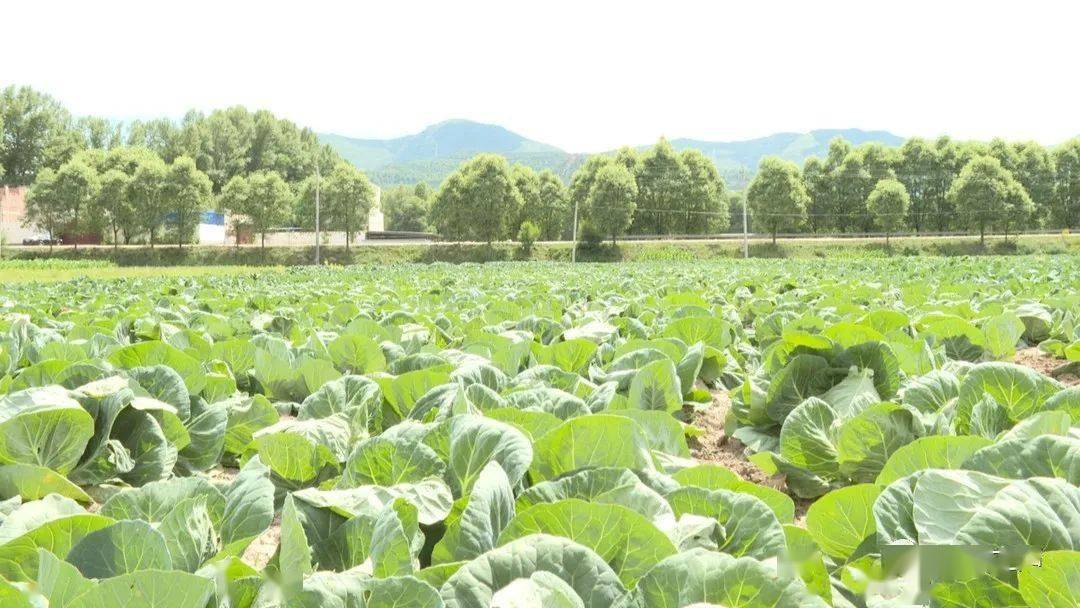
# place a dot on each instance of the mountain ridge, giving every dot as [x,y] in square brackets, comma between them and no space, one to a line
[437,150]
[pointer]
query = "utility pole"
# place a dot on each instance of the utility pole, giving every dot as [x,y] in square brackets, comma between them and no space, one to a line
[573,252]
[745,237]
[318,234]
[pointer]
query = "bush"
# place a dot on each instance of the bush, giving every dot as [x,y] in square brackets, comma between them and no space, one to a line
[590,236]
[527,235]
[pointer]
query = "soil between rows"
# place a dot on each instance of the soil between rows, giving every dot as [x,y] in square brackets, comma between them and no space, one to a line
[714,446]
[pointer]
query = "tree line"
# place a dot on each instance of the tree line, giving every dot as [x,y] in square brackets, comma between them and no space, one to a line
[922,186]
[486,199]
[149,181]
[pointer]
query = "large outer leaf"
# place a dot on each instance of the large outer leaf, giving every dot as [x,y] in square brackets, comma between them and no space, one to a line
[356,396]
[976,593]
[43,426]
[657,387]
[1054,583]
[942,507]
[31,482]
[206,429]
[843,519]
[297,450]
[569,355]
[597,440]
[477,519]
[749,527]
[803,377]
[475,440]
[1043,456]
[716,477]
[402,592]
[475,583]
[937,452]
[808,438]
[53,524]
[144,354]
[154,501]
[387,461]
[1020,390]
[104,458]
[603,485]
[122,548]
[930,392]
[148,589]
[59,581]
[705,577]
[430,496]
[627,541]
[356,354]
[865,442]
[190,535]
[249,504]
[246,415]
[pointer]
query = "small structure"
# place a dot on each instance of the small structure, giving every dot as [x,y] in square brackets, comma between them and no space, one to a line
[212,229]
[12,214]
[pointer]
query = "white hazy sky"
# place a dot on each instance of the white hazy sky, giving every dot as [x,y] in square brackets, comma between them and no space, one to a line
[588,75]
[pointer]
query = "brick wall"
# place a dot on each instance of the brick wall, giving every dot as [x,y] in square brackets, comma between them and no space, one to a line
[12,212]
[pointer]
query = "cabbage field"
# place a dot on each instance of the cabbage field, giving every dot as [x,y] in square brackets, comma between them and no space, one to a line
[896,432]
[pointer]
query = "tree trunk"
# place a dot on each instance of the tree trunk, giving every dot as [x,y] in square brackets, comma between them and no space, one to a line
[982,235]
[886,238]
[115,239]
[774,237]
[262,244]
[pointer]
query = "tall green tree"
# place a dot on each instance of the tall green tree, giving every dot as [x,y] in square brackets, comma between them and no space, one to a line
[45,208]
[777,197]
[853,183]
[582,180]
[704,196]
[146,191]
[113,205]
[612,200]
[267,202]
[233,200]
[819,185]
[915,171]
[1034,169]
[552,214]
[188,193]
[984,193]
[160,135]
[478,201]
[527,183]
[126,160]
[77,184]
[348,197]
[1066,206]
[888,204]
[543,201]
[660,179]
[946,163]
[32,123]
[405,209]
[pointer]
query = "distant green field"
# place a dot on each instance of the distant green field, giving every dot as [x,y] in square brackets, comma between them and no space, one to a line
[60,260]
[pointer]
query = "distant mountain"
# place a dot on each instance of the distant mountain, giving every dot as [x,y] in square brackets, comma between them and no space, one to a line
[436,151]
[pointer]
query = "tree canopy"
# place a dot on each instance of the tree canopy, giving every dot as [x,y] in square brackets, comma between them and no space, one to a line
[777,197]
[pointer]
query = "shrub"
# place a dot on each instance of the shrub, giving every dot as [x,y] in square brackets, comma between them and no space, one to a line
[527,235]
